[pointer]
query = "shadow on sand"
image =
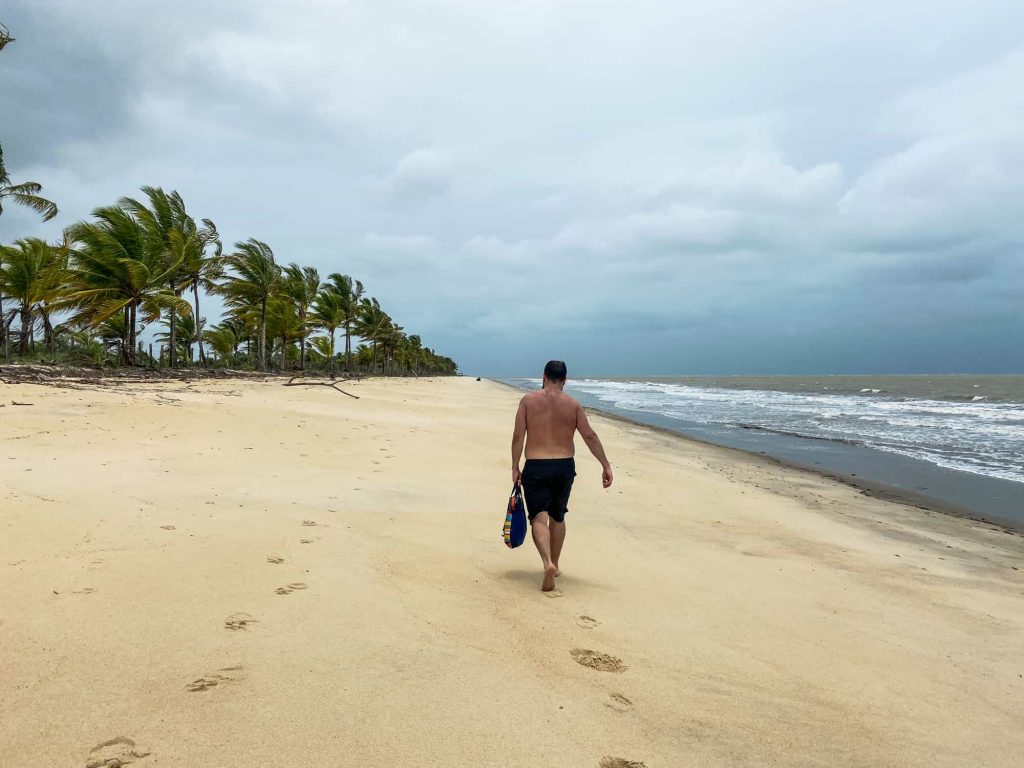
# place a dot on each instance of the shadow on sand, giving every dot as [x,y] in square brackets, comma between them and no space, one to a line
[536,575]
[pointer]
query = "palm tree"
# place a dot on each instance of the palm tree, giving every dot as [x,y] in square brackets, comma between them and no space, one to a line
[328,313]
[351,292]
[183,243]
[414,353]
[374,325]
[31,272]
[26,193]
[283,325]
[301,286]
[320,349]
[224,338]
[115,269]
[256,278]
[5,36]
[183,334]
[202,270]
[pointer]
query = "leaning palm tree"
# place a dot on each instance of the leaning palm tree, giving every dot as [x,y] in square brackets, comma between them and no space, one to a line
[351,292]
[328,313]
[201,267]
[373,325]
[301,286]
[320,349]
[31,272]
[26,193]
[184,243]
[183,334]
[255,277]
[284,326]
[224,339]
[116,270]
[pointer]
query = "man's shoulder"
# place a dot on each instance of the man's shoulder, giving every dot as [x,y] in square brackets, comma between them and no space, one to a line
[528,398]
[568,401]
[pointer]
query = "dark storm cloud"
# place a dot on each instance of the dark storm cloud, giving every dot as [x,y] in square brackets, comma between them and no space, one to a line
[55,88]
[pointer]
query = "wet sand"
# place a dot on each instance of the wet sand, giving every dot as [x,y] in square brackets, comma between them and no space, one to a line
[235,573]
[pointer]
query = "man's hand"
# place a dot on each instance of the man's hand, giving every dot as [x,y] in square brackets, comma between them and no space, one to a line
[517,476]
[606,475]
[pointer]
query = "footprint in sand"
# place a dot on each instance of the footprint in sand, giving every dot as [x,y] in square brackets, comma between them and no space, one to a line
[114,753]
[83,591]
[587,622]
[287,589]
[212,680]
[618,702]
[620,762]
[305,541]
[275,559]
[309,523]
[169,527]
[602,662]
[237,621]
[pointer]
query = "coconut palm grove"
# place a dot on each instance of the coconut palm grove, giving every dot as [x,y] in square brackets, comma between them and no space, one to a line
[146,261]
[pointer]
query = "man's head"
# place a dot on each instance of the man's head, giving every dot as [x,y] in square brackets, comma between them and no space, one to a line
[555,372]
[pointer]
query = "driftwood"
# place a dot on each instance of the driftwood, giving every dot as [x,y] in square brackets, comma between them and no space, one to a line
[333,384]
[14,402]
[83,377]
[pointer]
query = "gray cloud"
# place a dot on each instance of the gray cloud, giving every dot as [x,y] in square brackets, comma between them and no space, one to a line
[652,187]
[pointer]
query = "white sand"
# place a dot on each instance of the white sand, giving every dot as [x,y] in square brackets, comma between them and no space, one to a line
[763,616]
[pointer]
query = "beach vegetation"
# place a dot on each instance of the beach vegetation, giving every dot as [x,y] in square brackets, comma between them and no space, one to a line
[145,262]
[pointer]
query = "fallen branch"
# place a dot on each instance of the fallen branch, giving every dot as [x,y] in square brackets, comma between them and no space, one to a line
[332,384]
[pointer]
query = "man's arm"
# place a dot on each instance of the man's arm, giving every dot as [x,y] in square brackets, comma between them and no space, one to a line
[594,444]
[518,438]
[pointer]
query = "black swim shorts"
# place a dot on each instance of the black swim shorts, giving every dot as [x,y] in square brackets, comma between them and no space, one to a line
[546,486]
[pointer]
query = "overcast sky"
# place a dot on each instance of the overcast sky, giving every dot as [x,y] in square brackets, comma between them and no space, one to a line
[788,186]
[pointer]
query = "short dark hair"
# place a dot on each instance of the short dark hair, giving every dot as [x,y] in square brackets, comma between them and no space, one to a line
[555,370]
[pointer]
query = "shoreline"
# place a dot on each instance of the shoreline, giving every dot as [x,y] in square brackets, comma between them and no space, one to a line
[873,488]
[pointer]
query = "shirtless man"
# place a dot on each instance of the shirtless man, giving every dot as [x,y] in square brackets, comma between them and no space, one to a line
[548,421]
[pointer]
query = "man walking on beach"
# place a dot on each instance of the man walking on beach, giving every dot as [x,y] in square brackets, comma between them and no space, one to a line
[547,420]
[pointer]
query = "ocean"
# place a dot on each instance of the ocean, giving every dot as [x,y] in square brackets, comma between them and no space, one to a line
[956,438]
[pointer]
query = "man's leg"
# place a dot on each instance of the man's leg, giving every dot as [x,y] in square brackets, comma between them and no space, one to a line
[557,531]
[542,540]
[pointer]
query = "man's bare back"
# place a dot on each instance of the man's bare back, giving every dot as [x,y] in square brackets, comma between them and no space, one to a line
[547,422]
[551,417]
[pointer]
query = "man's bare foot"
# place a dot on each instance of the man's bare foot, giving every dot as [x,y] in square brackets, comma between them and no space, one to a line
[558,571]
[549,579]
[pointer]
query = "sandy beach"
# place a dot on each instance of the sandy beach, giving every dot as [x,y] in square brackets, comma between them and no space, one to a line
[236,573]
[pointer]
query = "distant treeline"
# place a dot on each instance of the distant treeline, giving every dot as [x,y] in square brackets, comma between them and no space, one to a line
[145,261]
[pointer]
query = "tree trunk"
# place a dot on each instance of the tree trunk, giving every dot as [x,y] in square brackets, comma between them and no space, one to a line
[132,332]
[261,347]
[26,329]
[199,326]
[49,337]
[348,347]
[173,351]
